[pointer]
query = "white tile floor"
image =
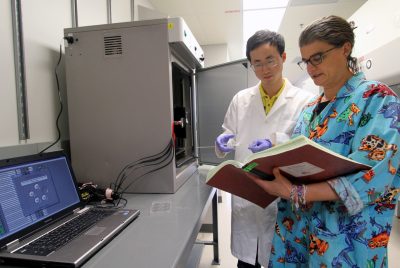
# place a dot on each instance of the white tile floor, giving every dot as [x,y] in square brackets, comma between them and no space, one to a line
[228,261]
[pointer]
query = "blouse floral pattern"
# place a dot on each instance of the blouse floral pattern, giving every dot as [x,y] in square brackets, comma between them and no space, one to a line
[361,123]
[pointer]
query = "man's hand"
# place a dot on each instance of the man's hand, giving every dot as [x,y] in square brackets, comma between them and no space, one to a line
[222,143]
[260,145]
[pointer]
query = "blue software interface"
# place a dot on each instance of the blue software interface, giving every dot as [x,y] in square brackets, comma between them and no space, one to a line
[32,192]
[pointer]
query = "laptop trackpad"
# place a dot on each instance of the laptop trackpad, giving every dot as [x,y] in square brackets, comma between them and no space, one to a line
[96,230]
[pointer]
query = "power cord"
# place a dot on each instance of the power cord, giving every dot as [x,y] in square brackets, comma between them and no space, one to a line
[159,160]
[61,105]
[168,158]
[141,163]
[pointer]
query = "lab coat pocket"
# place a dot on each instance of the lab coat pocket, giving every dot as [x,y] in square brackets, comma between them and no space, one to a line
[280,137]
[285,131]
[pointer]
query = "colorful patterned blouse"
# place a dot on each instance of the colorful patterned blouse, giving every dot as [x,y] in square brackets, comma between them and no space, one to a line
[362,123]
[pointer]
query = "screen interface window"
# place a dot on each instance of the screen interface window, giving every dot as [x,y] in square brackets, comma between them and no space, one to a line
[30,193]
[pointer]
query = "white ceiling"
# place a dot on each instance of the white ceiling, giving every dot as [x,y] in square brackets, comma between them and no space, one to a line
[220,21]
[211,21]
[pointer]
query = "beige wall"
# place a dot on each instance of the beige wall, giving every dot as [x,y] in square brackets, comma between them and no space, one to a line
[43,26]
[215,54]
[378,23]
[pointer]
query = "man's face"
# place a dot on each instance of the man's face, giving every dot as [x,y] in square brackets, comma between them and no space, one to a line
[267,64]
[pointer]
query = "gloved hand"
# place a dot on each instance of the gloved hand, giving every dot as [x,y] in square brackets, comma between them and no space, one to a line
[222,143]
[260,145]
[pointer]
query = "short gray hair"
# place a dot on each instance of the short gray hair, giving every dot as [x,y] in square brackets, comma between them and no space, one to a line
[333,30]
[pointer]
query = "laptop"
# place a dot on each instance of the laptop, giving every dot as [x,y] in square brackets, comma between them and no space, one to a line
[39,199]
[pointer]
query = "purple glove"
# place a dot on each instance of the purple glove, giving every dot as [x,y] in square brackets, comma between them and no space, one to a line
[222,142]
[260,145]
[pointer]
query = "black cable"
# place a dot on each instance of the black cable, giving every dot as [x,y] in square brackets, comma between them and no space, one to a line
[140,161]
[143,164]
[140,164]
[152,170]
[138,178]
[165,157]
[61,105]
[170,153]
[120,176]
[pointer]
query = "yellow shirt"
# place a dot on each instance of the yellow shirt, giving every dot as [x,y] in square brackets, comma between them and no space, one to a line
[267,101]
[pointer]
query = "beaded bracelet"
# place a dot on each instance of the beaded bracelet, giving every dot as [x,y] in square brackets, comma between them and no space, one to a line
[301,194]
[294,197]
[298,196]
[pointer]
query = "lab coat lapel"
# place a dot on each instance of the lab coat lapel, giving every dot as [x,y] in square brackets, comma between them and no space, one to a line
[257,106]
[253,116]
[286,94]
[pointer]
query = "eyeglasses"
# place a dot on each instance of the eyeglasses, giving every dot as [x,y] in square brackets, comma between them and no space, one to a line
[271,63]
[315,59]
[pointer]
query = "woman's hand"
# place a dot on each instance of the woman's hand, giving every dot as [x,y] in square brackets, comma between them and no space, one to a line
[280,186]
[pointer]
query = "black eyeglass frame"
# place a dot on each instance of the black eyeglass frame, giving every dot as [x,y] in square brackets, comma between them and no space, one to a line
[317,61]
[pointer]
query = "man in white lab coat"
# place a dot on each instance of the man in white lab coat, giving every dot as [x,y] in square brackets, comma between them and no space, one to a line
[257,118]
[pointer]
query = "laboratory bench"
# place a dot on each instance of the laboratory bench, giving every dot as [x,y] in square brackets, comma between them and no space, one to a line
[165,232]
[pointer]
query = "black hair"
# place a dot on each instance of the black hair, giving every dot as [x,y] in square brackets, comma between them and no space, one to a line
[265,37]
[333,30]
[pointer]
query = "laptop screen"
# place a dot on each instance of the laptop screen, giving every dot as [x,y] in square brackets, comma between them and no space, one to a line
[31,192]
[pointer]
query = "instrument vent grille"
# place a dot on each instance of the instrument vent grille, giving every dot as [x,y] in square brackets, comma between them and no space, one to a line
[112,45]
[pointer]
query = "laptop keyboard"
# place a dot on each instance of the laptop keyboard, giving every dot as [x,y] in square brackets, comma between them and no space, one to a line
[62,235]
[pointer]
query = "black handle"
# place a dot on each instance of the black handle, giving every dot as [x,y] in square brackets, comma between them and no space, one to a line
[262,175]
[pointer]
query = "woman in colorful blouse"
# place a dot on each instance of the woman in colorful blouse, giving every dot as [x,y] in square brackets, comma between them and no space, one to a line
[344,221]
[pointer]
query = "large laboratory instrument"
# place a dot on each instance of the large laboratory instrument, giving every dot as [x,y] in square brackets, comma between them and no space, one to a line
[132,98]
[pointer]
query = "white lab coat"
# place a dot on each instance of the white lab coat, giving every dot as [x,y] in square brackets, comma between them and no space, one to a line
[247,120]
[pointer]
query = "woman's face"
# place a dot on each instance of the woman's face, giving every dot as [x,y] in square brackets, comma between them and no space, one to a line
[326,64]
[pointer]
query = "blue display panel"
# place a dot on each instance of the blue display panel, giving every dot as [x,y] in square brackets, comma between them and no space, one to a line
[31,192]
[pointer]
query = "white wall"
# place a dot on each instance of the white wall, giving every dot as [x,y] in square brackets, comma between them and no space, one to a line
[42,41]
[378,23]
[92,12]
[143,5]
[41,44]
[8,103]
[378,40]
[121,11]
[215,54]
[378,27]
[43,25]
[146,13]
